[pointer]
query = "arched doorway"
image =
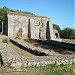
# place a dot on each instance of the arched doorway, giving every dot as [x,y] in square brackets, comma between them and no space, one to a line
[20,32]
[56,35]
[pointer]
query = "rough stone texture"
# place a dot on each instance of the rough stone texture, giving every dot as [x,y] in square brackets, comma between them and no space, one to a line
[40,26]
[32,49]
[56,33]
[14,60]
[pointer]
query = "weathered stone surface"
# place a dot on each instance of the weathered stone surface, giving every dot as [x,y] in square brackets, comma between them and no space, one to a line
[16,65]
[13,59]
[33,49]
[31,26]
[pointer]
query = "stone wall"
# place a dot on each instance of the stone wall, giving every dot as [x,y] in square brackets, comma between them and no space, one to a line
[14,60]
[56,34]
[40,27]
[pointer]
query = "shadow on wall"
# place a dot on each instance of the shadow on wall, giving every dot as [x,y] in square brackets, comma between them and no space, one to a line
[5,26]
[1,60]
[0,27]
[29,30]
[47,31]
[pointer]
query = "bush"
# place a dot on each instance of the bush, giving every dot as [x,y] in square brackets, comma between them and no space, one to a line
[67,33]
[6,40]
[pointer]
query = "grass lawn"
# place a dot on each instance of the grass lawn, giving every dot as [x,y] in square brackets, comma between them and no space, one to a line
[51,70]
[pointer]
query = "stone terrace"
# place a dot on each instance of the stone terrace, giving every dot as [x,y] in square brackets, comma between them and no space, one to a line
[13,59]
[33,49]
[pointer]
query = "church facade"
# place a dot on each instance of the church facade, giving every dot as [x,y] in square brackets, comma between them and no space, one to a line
[28,26]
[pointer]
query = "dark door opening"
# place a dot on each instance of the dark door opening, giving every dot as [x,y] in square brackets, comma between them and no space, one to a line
[0,27]
[47,31]
[29,29]
[56,34]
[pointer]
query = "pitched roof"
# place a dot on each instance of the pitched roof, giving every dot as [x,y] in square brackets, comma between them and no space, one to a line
[23,14]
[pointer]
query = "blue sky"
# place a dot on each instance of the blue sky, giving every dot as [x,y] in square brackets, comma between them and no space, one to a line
[61,12]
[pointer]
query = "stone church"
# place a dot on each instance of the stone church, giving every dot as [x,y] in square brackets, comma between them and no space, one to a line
[28,26]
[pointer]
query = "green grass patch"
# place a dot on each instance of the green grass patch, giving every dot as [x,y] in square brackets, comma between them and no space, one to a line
[6,40]
[51,70]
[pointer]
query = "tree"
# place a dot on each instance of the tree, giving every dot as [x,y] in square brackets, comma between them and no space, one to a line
[56,27]
[4,9]
[67,33]
[2,13]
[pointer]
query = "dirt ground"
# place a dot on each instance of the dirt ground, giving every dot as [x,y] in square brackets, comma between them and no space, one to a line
[55,49]
[25,53]
[69,40]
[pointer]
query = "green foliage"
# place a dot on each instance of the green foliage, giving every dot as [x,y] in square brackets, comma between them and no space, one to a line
[67,33]
[4,9]
[6,40]
[62,65]
[56,27]
[50,70]
[2,13]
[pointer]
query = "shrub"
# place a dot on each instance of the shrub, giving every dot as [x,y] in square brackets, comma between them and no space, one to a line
[67,33]
[6,40]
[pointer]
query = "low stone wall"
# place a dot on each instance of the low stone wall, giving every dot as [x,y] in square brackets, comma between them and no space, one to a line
[43,61]
[14,60]
[31,49]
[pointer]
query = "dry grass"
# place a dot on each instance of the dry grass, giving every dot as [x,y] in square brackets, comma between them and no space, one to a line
[3,37]
[54,48]
[69,40]
[20,51]
[25,53]
[17,49]
[45,70]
